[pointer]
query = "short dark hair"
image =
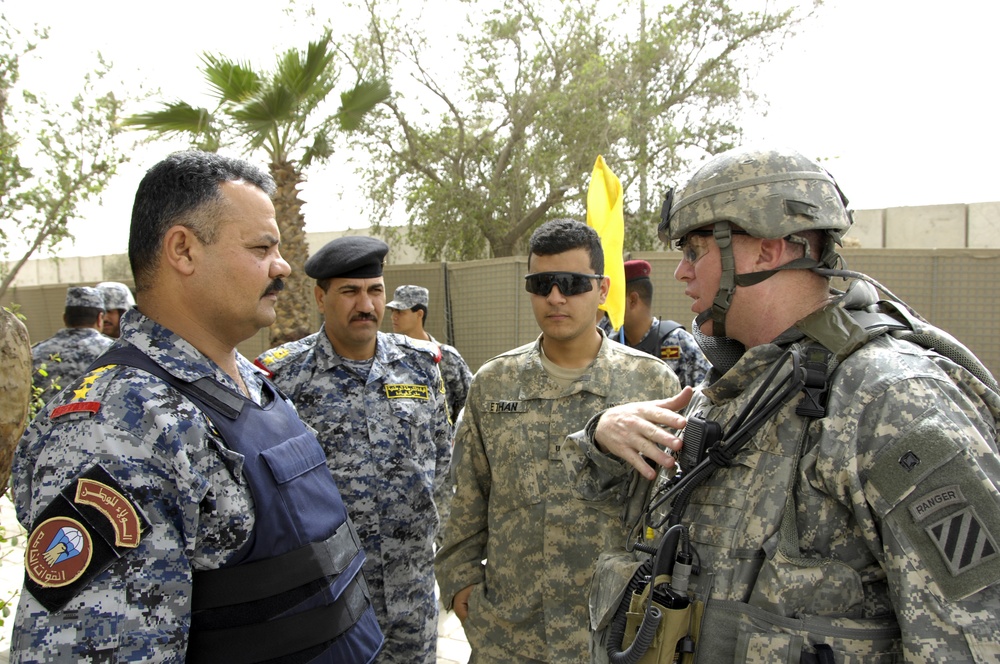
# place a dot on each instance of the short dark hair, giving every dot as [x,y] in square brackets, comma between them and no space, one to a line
[644,287]
[81,316]
[420,307]
[182,189]
[559,235]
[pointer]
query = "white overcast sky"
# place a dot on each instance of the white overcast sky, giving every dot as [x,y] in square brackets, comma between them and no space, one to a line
[898,97]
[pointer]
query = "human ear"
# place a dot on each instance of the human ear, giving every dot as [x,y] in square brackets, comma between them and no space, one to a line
[180,248]
[771,253]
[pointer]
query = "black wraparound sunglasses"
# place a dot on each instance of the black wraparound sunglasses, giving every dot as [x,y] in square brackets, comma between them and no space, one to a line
[569,283]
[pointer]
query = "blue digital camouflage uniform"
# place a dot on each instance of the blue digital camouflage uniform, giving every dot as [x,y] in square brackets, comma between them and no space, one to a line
[388,445]
[677,347]
[75,348]
[167,457]
[456,375]
[894,554]
[514,505]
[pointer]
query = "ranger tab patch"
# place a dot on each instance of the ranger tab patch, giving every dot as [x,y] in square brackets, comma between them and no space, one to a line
[91,524]
[407,392]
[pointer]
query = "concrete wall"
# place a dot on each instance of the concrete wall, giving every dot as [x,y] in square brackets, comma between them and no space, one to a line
[954,226]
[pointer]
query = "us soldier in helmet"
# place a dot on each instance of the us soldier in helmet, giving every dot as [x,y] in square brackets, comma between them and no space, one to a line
[852,517]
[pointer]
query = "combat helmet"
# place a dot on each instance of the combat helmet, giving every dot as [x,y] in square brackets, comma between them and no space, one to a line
[767,193]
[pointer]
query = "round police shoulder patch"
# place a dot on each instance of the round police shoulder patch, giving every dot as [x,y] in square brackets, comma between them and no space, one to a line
[58,553]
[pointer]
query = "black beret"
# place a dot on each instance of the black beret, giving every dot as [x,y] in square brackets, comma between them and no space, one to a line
[349,257]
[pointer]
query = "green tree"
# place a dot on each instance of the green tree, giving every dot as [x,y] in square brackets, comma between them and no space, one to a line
[279,112]
[70,158]
[478,157]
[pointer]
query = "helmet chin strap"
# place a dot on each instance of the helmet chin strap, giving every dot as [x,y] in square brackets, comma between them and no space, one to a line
[729,280]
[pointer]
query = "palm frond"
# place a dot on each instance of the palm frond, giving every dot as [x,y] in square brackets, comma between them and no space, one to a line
[355,103]
[230,81]
[310,78]
[320,150]
[176,117]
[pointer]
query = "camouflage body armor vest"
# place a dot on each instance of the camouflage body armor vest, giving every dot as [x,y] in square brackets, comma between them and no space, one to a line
[755,585]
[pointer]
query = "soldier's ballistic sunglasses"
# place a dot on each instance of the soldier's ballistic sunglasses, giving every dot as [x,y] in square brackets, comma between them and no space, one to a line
[569,283]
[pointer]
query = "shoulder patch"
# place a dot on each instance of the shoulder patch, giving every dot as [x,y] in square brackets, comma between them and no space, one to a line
[670,352]
[75,407]
[91,524]
[428,347]
[81,392]
[934,495]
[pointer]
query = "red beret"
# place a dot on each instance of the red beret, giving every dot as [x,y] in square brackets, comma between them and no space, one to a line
[637,270]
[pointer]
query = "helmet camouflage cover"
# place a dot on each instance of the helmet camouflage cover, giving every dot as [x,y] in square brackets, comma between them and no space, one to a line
[769,193]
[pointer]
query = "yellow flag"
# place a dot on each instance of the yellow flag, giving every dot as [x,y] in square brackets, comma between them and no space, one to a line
[604,215]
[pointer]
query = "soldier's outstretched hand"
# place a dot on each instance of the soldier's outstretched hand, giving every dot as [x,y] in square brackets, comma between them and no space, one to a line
[644,430]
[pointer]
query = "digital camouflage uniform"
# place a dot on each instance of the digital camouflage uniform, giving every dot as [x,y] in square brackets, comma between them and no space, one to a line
[388,445]
[514,502]
[75,348]
[165,454]
[677,348]
[456,375]
[893,554]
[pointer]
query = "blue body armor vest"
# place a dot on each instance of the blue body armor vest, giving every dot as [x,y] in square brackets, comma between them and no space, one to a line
[295,593]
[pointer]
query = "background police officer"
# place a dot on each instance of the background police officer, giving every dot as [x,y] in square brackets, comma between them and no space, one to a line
[63,357]
[377,403]
[409,311]
[117,300]
[665,339]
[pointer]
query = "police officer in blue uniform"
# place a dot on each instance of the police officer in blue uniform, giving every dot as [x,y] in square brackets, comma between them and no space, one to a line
[178,508]
[378,404]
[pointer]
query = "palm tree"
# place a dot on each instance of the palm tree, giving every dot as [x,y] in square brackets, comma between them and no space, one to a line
[274,112]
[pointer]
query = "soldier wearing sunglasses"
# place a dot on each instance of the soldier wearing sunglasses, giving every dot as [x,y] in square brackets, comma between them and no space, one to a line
[513,504]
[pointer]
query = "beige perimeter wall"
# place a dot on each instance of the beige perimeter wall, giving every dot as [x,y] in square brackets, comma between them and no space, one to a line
[481,307]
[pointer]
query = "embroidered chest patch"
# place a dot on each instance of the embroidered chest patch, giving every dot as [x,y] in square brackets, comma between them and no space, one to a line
[407,392]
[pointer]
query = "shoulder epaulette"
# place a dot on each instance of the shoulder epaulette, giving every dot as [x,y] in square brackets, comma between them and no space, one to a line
[417,344]
[272,360]
[82,397]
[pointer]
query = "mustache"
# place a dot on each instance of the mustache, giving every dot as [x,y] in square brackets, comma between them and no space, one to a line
[366,316]
[275,286]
